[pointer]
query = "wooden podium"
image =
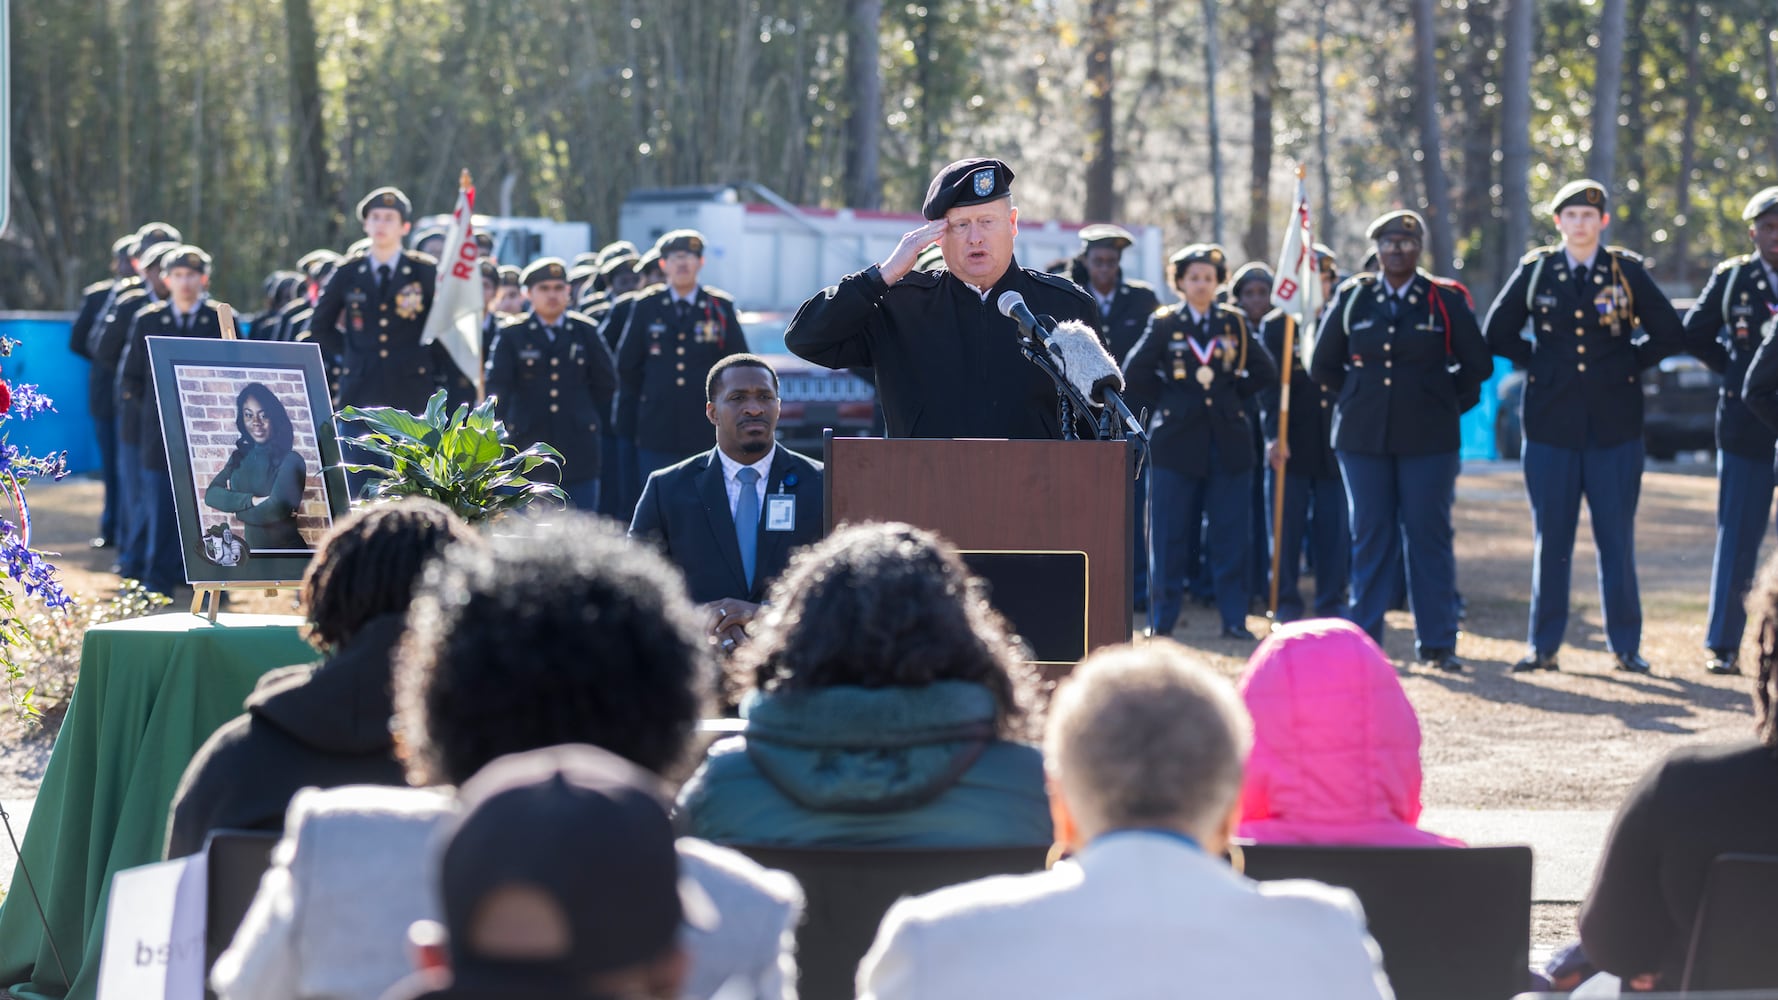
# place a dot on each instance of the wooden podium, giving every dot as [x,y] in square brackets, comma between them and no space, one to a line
[1047,523]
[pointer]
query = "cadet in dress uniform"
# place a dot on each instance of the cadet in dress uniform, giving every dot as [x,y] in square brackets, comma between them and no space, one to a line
[637,274]
[1596,320]
[673,334]
[1403,351]
[1251,292]
[315,266]
[1723,331]
[371,314]
[186,312]
[126,402]
[1199,362]
[1314,493]
[96,303]
[554,379]
[947,363]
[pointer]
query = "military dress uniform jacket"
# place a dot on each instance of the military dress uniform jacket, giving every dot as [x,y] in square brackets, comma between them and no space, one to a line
[104,346]
[946,363]
[1310,435]
[1192,408]
[93,300]
[136,379]
[554,391]
[1723,331]
[126,396]
[663,355]
[1132,302]
[1588,348]
[382,360]
[1397,392]
[616,312]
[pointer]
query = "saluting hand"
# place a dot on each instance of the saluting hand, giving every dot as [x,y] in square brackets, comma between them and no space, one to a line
[908,250]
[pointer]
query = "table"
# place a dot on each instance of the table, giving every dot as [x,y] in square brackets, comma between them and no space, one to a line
[151,691]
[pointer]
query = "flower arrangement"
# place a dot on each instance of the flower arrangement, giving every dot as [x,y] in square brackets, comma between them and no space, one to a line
[24,566]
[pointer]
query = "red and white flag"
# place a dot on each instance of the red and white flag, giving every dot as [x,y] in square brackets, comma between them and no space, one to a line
[1297,287]
[456,317]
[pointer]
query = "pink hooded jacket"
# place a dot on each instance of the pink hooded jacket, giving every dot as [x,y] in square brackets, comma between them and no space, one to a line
[1336,745]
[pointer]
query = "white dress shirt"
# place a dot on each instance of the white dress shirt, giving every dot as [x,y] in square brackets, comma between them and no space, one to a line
[731,468]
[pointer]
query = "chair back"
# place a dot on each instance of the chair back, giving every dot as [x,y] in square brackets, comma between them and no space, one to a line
[1731,947]
[1454,923]
[235,859]
[849,889]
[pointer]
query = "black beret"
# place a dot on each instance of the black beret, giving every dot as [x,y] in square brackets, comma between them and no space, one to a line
[1585,193]
[1760,204]
[387,197]
[689,240]
[314,261]
[1398,223]
[1201,253]
[1105,234]
[544,269]
[509,275]
[974,181]
[185,255]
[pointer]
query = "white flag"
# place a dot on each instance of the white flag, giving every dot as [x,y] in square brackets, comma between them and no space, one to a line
[456,317]
[1297,287]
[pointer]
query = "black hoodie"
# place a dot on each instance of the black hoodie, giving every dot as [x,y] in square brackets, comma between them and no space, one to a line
[307,726]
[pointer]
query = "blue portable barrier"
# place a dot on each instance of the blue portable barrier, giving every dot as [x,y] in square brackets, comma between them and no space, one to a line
[41,358]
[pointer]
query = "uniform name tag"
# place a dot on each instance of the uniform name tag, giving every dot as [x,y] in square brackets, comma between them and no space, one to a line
[1363,324]
[1546,301]
[781,512]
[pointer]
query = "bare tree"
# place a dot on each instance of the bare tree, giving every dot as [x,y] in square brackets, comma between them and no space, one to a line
[864,82]
[1607,90]
[1214,137]
[1688,141]
[1438,198]
[1102,152]
[1262,81]
[1325,223]
[1515,125]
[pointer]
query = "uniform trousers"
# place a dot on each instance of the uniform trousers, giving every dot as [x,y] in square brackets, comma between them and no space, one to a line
[611,495]
[164,568]
[1743,502]
[1400,512]
[1139,538]
[1180,503]
[583,494]
[1611,480]
[1315,514]
[132,541]
[106,432]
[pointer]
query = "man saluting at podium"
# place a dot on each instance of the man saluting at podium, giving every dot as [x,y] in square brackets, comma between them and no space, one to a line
[948,364]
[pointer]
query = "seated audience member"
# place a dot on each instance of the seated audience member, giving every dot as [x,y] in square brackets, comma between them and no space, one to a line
[570,634]
[1144,752]
[557,879]
[1700,802]
[885,695]
[328,724]
[1315,776]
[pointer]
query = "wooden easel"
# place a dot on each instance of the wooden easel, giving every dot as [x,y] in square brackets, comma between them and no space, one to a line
[225,314]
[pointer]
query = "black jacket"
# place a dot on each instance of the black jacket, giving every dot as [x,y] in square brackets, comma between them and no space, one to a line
[1310,436]
[1588,349]
[105,344]
[377,335]
[684,509]
[93,300]
[1397,392]
[1723,331]
[663,355]
[557,392]
[320,726]
[1759,391]
[137,380]
[1164,367]
[947,363]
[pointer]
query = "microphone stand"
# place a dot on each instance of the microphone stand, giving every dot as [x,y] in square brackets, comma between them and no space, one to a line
[1069,401]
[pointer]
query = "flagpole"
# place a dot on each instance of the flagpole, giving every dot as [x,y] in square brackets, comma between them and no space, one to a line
[1286,368]
[481,371]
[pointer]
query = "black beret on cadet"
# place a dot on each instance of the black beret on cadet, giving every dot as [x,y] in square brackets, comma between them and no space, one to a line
[1585,193]
[387,197]
[544,269]
[974,181]
[1399,223]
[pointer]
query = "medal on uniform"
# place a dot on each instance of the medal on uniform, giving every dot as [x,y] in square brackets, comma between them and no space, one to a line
[409,300]
[1206,375]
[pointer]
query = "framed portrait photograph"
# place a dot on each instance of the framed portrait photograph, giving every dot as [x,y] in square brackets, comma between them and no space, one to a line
[253,453]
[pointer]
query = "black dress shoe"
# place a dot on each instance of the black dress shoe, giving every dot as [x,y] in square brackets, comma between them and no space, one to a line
[1536,661]
[1722,661]
[1238,632]
[100,542]
[1444,659]
[1631,663]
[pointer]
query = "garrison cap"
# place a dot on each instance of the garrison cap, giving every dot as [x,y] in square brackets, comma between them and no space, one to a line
[544,269]
[1106,235]
[688,240]
[185,255]
[315,261]
[509,276]
[974,181]
[387,197]
[358,247]
[123,245]
[1760,204]
[1398,223]
[1201,253]
[1584,193]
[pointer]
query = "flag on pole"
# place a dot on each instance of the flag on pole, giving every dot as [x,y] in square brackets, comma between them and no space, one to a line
[456,316]
[1297,287]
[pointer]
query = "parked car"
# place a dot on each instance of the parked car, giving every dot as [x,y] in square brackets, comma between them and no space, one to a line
[813,398]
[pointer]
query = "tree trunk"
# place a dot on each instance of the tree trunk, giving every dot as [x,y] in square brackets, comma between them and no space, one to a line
[1515,126]
[1322,154]
[1102,134]
[1478,127]
[1263,79]
[864,81]
[1214,137]
[1771,53]
[1438,200]
[1607,91]
[1688,145]
[1630,222]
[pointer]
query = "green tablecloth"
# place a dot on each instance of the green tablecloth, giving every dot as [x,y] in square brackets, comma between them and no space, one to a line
[151,690]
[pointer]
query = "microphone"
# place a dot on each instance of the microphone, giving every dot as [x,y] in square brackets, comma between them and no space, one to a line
[1086,362]
[1012,306]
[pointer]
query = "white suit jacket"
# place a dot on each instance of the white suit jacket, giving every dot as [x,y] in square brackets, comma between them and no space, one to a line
[1136,914]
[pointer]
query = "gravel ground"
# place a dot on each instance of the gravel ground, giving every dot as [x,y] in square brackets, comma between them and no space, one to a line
[1576,739]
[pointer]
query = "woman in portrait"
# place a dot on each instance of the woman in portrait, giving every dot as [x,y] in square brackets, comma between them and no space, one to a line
[262,482]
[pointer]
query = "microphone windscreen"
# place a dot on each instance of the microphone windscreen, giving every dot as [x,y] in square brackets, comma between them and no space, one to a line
[1086,362]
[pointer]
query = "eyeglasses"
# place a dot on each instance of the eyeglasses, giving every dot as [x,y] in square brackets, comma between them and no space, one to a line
[1397,244]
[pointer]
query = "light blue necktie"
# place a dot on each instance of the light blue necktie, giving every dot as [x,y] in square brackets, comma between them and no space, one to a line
[747,520]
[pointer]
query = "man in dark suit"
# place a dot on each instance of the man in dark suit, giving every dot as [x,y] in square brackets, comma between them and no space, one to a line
[947,363]
[730,517]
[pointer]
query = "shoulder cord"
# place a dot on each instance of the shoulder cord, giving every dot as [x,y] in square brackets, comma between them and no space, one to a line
[1728,289]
